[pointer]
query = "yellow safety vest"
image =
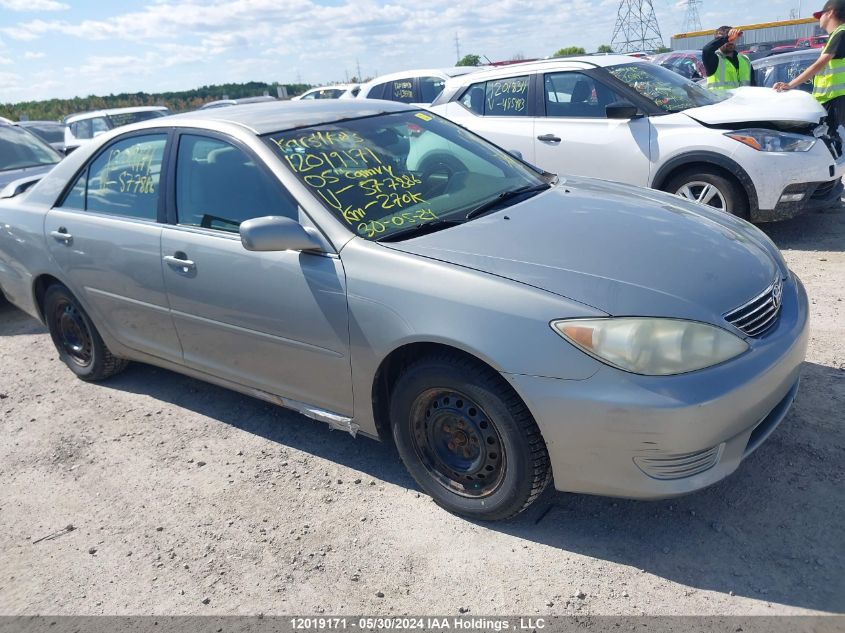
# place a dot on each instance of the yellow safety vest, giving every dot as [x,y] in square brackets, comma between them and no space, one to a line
[830,83]
[727,77]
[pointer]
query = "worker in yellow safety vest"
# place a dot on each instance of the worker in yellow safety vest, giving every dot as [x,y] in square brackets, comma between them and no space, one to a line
[725,67]
[828,72]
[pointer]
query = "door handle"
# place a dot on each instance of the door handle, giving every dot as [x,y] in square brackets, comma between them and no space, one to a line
[62,235]
[549,138]
[181,263]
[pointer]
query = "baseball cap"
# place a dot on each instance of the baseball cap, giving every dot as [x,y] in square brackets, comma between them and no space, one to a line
[830,4]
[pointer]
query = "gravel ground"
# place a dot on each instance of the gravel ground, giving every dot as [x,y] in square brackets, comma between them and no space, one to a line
[156,493]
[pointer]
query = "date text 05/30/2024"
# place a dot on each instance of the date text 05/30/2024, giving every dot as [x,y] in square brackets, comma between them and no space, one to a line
[417,624]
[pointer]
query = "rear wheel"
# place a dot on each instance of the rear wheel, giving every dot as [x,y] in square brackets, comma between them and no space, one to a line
[467,438]
[712,187]
[79,344]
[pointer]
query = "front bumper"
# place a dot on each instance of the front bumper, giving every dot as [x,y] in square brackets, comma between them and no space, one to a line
[817,196]
[619,434]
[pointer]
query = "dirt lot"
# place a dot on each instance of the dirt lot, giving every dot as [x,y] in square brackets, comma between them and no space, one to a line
[188,499]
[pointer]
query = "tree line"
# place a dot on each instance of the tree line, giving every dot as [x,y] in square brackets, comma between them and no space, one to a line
[182,101]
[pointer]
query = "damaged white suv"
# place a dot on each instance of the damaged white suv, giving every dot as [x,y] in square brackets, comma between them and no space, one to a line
[752,152]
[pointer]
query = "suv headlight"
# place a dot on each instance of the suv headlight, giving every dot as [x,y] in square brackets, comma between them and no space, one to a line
[651,346]
[771,141]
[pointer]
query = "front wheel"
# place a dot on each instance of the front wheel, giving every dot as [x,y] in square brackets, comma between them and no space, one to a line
[77,340]
[711,187]
[467,438]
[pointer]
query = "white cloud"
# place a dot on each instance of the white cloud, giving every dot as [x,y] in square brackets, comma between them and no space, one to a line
[34,55]
[5,61]
[34,5]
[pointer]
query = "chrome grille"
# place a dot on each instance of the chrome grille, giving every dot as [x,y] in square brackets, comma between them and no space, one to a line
[679,466]
[759,314]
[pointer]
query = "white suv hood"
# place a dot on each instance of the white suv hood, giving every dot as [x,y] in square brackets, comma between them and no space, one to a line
[746,105]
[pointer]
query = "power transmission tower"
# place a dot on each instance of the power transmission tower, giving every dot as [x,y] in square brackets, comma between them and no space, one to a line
[636,28]
[692,21]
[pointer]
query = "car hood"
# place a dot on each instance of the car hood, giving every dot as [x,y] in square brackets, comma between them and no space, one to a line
[10,175]
[748,105]
[624,250]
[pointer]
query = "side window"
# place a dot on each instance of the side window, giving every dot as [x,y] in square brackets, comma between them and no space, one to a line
[507,97]
[430,88]
[218,186]
[378,91]
[310,95]
[573,94]
[401,90]
[75,199]
[122,180]
[473,98]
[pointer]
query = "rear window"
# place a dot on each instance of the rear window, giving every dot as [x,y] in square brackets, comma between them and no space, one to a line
[125,118]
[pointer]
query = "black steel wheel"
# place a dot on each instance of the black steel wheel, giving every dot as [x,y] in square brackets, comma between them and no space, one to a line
[467,438]
[456,443]
[76,339]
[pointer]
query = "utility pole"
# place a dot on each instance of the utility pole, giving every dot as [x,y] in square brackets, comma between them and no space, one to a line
[692,21]
[358,66]
[636,28]
[457,47]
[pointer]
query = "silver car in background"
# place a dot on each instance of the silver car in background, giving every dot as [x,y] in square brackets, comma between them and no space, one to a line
[387,272]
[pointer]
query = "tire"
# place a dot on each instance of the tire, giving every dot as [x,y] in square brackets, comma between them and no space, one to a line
[76,339]
[724,193]
[443,411]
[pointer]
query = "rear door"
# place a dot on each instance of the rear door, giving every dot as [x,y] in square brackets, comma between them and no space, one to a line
[574,135]
[105,236]
[501,110]
[274,321]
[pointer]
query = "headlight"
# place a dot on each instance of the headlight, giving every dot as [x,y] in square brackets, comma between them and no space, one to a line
[652,347]
[771,141]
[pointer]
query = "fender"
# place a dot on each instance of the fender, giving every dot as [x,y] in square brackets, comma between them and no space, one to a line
[711,158]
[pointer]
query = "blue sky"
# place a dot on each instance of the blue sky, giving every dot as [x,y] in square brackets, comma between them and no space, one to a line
[67,48]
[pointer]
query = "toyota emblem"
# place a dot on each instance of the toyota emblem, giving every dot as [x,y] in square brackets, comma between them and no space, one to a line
[777,293]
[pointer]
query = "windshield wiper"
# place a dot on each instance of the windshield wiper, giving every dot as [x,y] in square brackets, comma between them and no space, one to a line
[419,229]
[491,205]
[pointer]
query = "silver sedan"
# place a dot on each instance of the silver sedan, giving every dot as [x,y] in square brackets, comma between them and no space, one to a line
[391,274]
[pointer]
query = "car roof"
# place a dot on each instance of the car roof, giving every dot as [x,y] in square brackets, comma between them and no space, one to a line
[333,87]
[600,61]
[455,71]
[107,111]
[39,123]
[787,57]
[278,116]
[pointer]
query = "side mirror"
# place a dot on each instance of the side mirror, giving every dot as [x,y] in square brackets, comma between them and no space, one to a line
[276,233]
[515,153]
[621,110]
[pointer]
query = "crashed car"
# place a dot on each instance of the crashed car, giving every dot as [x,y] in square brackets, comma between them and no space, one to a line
[759,155]
[506,328]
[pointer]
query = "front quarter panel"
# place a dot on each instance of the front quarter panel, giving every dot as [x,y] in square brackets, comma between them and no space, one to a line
[396,299]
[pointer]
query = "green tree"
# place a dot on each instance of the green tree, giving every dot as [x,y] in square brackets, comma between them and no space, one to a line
[604,48]
[469,60]
[664,49]
[570,50]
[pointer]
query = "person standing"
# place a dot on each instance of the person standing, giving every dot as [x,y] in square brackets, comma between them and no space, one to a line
[726,68]
[828,72]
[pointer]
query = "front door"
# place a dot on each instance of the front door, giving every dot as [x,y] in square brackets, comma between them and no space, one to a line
[106,239]
[576,137]
[274,321]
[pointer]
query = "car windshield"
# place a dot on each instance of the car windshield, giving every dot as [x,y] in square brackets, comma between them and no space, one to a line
[385,174]
[667,90]
[19,149]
